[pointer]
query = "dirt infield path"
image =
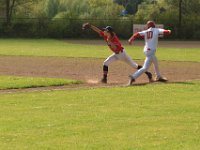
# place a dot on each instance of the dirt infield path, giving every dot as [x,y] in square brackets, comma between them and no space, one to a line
[88,70]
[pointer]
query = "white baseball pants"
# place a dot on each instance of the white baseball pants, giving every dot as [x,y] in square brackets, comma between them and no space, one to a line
[147,63]
[123,56]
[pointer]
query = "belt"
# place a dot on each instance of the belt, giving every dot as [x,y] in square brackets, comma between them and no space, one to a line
[121,51]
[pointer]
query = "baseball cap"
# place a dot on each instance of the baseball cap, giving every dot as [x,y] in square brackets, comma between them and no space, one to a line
[151,24]
[108,29]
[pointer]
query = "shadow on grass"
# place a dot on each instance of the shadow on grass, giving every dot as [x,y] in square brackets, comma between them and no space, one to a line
[169,82]
[139,84]
[183,83]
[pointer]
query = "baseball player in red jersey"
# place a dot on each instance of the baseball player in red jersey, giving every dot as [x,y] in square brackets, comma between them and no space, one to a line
[119,52]
[151,36]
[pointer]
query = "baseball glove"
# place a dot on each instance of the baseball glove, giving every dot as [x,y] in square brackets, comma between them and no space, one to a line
[86,26]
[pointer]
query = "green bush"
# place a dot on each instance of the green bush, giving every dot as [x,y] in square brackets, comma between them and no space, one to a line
[72,28]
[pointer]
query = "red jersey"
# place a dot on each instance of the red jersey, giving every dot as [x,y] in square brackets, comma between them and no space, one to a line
[114,41]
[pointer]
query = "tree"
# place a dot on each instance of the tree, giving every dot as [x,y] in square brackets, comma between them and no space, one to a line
[103,9]
[10,5]
[180,16]
[9,9]
[186,10]
[121,2]
[52,8]
[131,6]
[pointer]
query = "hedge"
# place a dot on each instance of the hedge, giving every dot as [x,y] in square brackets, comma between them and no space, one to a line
[71,28]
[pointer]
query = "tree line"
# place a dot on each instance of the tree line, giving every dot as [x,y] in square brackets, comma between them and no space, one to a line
[182,16]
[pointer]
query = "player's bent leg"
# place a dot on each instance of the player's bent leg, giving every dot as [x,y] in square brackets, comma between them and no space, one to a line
[145,67]
[139,72]
[149,74]
[133,77]
[110,59]
[127,59]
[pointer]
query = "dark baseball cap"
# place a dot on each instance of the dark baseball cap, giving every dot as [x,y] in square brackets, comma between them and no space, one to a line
[108,29]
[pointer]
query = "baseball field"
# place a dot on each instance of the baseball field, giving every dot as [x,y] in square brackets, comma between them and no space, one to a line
[50,97]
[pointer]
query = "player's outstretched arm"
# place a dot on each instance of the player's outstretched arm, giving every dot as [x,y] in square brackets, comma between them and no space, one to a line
[133,37]
[87,25]
[167,32]
[94,28]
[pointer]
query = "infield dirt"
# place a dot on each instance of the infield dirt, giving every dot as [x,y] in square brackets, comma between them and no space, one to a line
[89,70]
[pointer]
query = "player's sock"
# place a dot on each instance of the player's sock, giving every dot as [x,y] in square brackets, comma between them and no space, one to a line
[105,76]
[105,72]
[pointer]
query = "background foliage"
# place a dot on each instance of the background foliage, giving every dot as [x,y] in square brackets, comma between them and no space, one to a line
[63,18]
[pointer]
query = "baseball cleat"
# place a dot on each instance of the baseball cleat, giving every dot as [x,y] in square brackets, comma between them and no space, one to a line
[139,67]
[103,80]
[161,79]
[149,75]
[131,81]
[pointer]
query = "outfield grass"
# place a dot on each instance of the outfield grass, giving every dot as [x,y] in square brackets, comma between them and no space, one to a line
[48,47]
[152,117]
[13,82]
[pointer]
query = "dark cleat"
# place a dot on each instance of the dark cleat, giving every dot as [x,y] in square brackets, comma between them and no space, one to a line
[139,67]
[149,75]
[161,79]
[104,80]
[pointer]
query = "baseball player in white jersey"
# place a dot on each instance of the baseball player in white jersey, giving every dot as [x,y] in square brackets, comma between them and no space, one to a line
[151,36]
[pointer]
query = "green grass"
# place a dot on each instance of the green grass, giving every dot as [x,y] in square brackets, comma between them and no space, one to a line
[151,117]
[13,82]
[48,47]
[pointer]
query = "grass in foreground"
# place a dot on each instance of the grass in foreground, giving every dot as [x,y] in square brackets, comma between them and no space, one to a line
[152,117]
[13,82]
[48,47]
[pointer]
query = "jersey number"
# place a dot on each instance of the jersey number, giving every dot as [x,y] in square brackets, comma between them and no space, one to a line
[149,35]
